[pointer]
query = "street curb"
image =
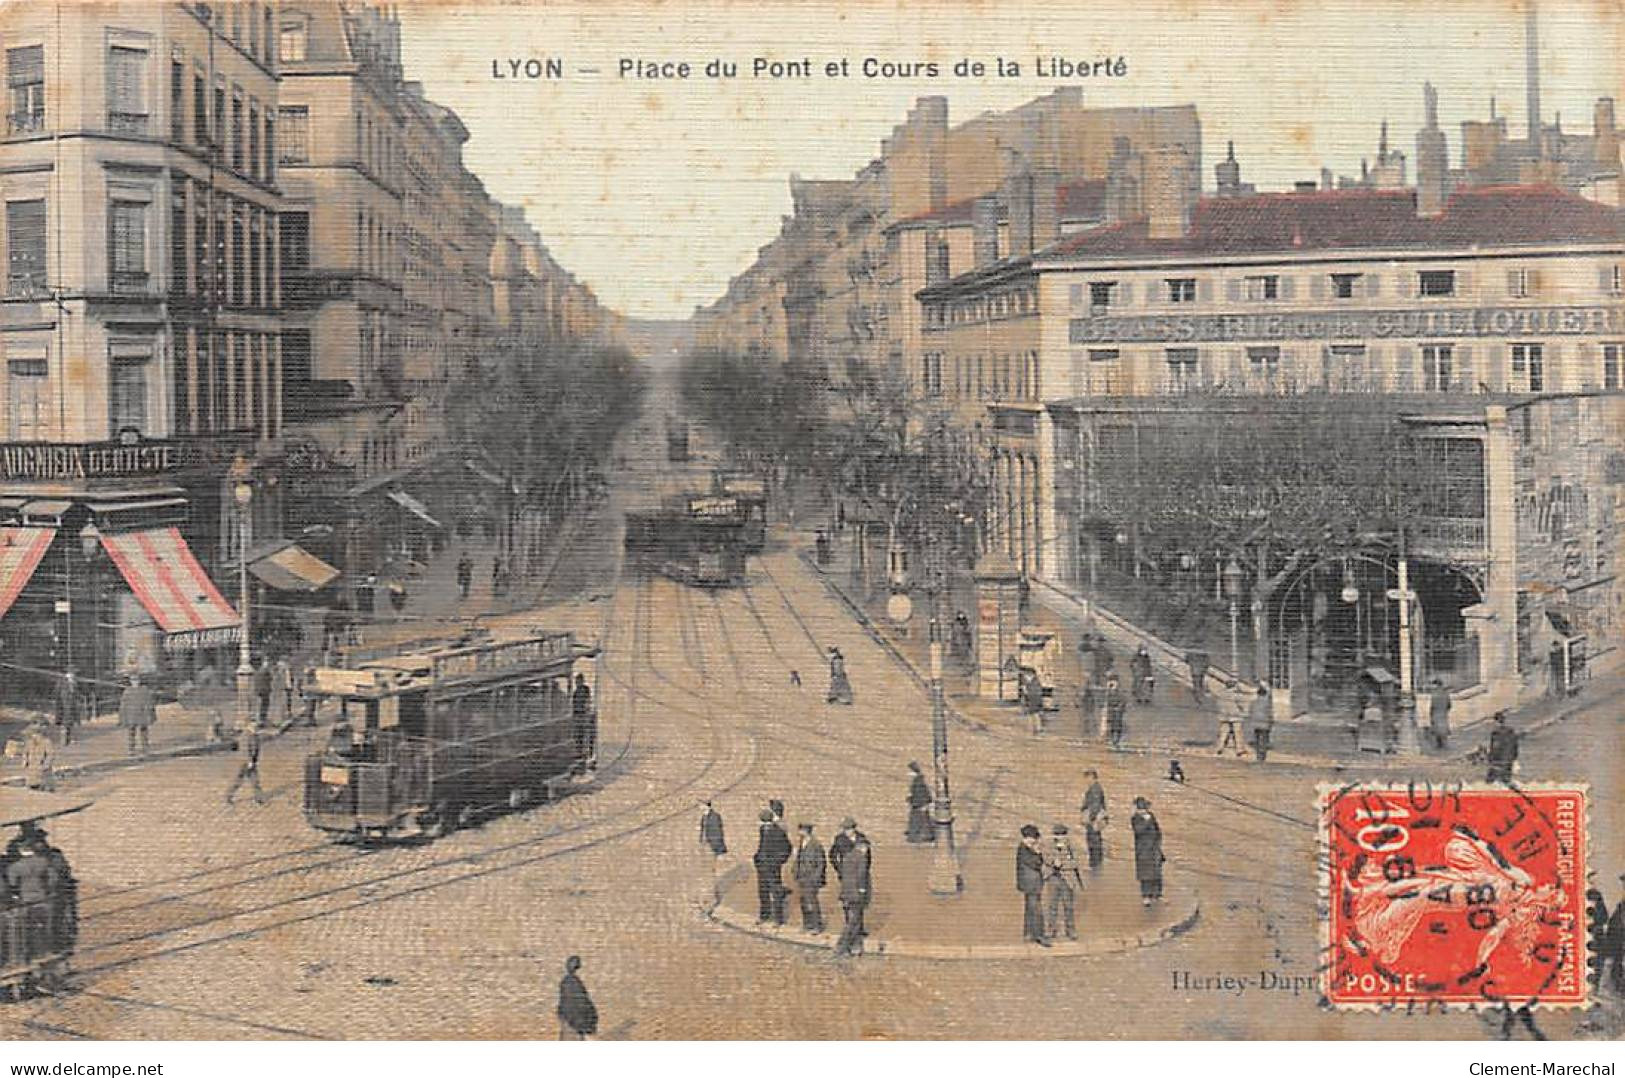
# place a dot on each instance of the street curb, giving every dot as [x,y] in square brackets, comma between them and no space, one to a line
[175,752]
[880,948]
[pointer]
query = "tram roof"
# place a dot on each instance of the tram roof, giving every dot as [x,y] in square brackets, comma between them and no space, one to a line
[454,662]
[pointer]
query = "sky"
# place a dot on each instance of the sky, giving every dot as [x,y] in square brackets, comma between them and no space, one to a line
[656,191]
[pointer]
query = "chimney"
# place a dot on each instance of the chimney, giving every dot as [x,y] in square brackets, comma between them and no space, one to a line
[1167,192]
[984,227]
[1046,207]
[1432,158]
[1325,178]
[1606,133]
[1018,202]
[1531,49]
[1123,174]
[1227,173]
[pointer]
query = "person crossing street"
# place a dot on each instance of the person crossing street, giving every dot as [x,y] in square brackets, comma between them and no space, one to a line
[248,764]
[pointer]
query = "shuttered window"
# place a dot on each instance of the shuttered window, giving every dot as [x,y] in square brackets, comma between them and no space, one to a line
[127,393]
[25,89]
[28,391]
[25,247]
[127,246]
[126,92]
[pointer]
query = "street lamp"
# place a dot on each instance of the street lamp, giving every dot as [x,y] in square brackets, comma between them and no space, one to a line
[243,492]
[944,877]
[1232,591]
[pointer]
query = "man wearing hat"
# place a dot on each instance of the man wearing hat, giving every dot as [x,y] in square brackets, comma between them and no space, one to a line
[810,876]
[1030,882]
[137,711]
[853,865]
[1094,819]
[1062,882]
[578,1018]
[1503,750]
[772,851]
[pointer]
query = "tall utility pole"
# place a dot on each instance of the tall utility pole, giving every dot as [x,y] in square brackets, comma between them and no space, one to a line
[944,878]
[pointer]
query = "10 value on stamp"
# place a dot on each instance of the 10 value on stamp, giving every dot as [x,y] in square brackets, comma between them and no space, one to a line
[1457,896]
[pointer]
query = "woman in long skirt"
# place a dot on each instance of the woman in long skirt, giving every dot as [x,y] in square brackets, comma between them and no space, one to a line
[840,689]
[1148,856]
[920,827]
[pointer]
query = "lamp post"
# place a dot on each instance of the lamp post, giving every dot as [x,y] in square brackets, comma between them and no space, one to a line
[242,491]
[1232,591]
[944,877]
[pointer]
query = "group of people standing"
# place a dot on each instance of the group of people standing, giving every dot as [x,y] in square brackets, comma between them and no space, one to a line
[1049,876]
[1103,701]
[39,899]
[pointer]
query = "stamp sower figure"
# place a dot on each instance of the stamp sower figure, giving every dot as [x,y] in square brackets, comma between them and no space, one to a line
[1094,819]
[1062,882]
[136,712]
[772,851]
[248,764]
[1148,856]
[840,689]
[1260,718]
[578,1018]
[810,874]
[853,859]
[920,827]
[1439,714]
[1613,945]
[1503,750]
[1030,882]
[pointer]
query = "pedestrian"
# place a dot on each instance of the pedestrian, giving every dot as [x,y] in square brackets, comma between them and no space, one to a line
[262,689]
[1032,700]
[282,674]
[137,711]
[1148,858]
[39,758]
[854,865]
[67,707]
[29,878]
[1116,710]
[1260,718]
[578,1018]
[1030,882]
[1196,662]
[1140,669]
[1230,733]
[920,828]
[1613,945]
[1439,714]
[1086,704]
[248,764]
[1062,882]
[1100,655]
[465,574]
[810,876]
[795,679]
[1503,750]
[311,694]
[772,851]
[1176,773]
[496,574]
[840,689]
[1094,819]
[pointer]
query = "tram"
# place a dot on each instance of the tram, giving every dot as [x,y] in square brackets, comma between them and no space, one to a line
[429,739]
[749,493]
[39,900]
[702,550]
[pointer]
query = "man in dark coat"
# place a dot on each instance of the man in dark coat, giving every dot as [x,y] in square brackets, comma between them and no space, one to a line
[31,879]
[1260,718]
[137,711]
[1094,819]
[1503,750]
[1439,714]
[772,851]
[578,1018]
[1140,670]
[1196,661]
[713,847]
[1030,882]
[842,845]
[67,707]
[1148,856]
[1100,655]
[1116,710]
[465,574]
[920,827]
[262,689]
[855,868]
[810,876]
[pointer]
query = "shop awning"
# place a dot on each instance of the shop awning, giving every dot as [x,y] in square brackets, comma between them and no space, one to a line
[413,506]
[20,552]
[168,581]
[291,567]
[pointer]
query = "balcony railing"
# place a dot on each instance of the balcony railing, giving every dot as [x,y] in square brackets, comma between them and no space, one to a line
[1451,533]
[25,123]
[127,123]
[129,282]
[26,285]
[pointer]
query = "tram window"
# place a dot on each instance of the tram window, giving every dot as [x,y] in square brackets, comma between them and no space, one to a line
[413,715]
[445,720]
[533,702]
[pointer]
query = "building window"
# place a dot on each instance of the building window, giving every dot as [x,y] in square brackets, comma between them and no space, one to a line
[254,261]
[270,148]
[126,96]
[1265,364]
[222,293]
[25,248]
[1343,285]
[1181,368]
[183,384]
[28,390]
[270,36]
[1438,367]
[1436,282]
[127,394]
[295,148]
[254,141]
[127,247]
[25,85]
[1616,280]
[219,145]
[1529,362]
[254,28]
[1518,283]
[1262,287]
[291,47]
[237,133]
[201,282]
[1181,289]
[239,364]
[1346,368]
[177,244]
[200,111]
[177,101]
[239,281]
[1610,365]
[1100,296]
[220,382]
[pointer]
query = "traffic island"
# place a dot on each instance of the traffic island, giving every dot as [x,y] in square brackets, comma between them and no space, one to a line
[984,922]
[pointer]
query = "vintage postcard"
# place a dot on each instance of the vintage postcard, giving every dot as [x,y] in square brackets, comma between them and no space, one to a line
[688,520]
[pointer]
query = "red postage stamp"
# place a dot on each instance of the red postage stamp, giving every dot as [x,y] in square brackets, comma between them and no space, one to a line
[1457,896]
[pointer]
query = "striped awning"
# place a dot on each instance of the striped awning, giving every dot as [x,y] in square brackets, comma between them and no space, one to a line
[168,581]
[292,568]
[20,552]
